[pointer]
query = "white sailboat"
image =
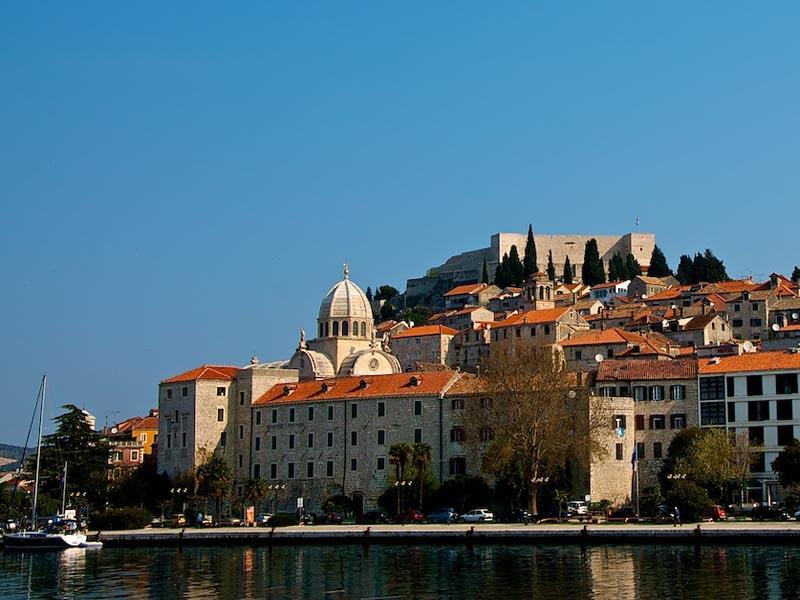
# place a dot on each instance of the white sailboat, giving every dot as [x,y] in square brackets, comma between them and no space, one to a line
[54,536]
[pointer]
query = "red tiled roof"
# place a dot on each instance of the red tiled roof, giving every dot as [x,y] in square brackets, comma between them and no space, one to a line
[699,322]
[667,294]
[531,317]
[470,289]
[632,370]
[614,335]
[790,328]
[147,423]
[205,372]
[425,330]
[610,284]
[751,361]
[385,326]
[429,383]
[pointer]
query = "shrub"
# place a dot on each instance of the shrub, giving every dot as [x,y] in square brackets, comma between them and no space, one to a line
[690,498]
[120,518]
[283,520]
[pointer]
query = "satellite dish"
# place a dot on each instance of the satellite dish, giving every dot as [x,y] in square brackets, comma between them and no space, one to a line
[598,358]
[673,306]
[113,430]
[795,316]
[748,346]
[644,296]
[664,324]
[776,327]
[411,323]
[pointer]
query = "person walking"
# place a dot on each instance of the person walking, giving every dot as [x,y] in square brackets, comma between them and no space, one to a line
[676,517]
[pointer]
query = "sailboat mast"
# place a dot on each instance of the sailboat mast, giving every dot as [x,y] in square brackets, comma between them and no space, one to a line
[39,449]
[64,490]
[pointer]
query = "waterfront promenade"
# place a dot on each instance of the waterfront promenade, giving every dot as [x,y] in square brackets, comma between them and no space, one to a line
[715,533]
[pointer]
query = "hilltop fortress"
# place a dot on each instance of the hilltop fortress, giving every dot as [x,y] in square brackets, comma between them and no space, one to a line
[467,266]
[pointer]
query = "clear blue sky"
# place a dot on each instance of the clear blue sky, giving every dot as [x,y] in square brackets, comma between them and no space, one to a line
[181,182]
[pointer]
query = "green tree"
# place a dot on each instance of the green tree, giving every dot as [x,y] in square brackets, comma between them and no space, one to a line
[84,450]
[387,311]
[399,456]
[551,268]
[255,489]
[516,270]
[386,292]
[214,481]
[592,271]
[485,272]
[369,293]
[616,268]
[530,263]
[700,270]
[796,275]
[715,269]
[658,264]
[567,269]
[143,488]
[685,274]
[502,274]
[787,464]
[691,499]
[632,267]
[421,459]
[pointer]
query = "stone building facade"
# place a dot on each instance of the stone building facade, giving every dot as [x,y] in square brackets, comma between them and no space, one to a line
[431,344]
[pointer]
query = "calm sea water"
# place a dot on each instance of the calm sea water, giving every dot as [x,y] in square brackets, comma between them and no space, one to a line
[337,572]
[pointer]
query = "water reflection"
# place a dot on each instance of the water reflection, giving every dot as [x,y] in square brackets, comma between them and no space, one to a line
[541,572]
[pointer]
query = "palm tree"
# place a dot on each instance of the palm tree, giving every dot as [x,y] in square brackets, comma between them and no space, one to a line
[255,489]
[421,458]
[399,455]
[214,480]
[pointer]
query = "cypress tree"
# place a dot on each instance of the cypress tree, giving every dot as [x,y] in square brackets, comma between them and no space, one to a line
[714,267]
[632,267]
[530,262]
[685,272]
[369,293]
[658,264]
[796,275]
[592,271]
[485,273]
[700,270]
[551,268]
[567,270]
[516,270]
[501,273]
[616,268]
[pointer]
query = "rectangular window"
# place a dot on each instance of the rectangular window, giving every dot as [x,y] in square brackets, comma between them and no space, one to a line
[755,322]
[241,432]
[354,438]
[657,422]
[578,353]
[547,329]
[223,439]
[786,383]
[381,465]
[756,436]
[241,398]
[785,434]
[737,322]
[330,439]
[354,464]
[640,451]
[273,442]
[754,385]
[758,464]
[329,469]
[418,436]
[135,454]
[731,387]
[241,460]
[712,413]
[417,407]
[458,465]
[183,440]
[310,440]
[169,393]
[784,410]
[256,470]
[712,388]
[731,412]
[330,413]
[737,307]
[184,391]
[381,408]
[258,417]
[608,392]
[457,404]
[618,421]
[354,411]
[639,419]
[220,414]
[273,470]
[457,434]
[619,451]
[677,392]
[310,413]
[274,416]
[257,443]
[381,437]
[291,415]
[677,421]
[291,441]
[310,470]
[290,470]
[169,441]
[657,452]
[656,392]
[758,410]
[639,393]
[220,391]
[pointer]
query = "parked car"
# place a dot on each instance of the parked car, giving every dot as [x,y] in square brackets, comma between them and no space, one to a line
[577,508]
[261,519]
[768,513]
[411,515]
[230,521]
[443,515]
[478,515]
[372,517]
[626,514]
[331,518]
[716,513]
[664,514]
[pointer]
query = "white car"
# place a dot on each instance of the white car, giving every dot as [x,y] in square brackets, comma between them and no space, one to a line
[479,515]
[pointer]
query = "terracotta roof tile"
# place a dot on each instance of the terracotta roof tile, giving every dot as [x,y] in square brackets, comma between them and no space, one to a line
[751,361]
[472,288]
[533,317]
[205,372]
[429,383]
[635,370]
[425,330]
[613,335]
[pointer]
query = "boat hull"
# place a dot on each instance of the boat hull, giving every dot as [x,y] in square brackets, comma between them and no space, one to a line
[43,541]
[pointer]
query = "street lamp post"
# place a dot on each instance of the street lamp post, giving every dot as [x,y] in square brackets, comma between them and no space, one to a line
[536,482]
[176,493]
[79,499]
[276,487]
[400,485]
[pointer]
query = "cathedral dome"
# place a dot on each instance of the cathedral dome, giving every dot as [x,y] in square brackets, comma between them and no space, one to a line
[345,300]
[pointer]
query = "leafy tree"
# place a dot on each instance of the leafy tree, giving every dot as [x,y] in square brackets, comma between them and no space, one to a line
[650,500]
[421,459]
[787,464]
[143,488]
[418,315]
[658,264]
[463,493]
[592,271]
[369,293]
[685,272]
[386,292]
[387,311]
[532,400]
[255,489]
[567,269]
[796,275]
[516,269]
[616,268]
[86,453]
[551,268]
[214,480]
[530,263]
[632,267]
[691,499]
[485,272]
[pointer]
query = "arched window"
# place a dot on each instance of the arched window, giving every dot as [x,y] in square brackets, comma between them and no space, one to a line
[355,328]
[327,329]
[345,327]
[363,329]
[335,328]
[320,330]
[548,293]
[541,293]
